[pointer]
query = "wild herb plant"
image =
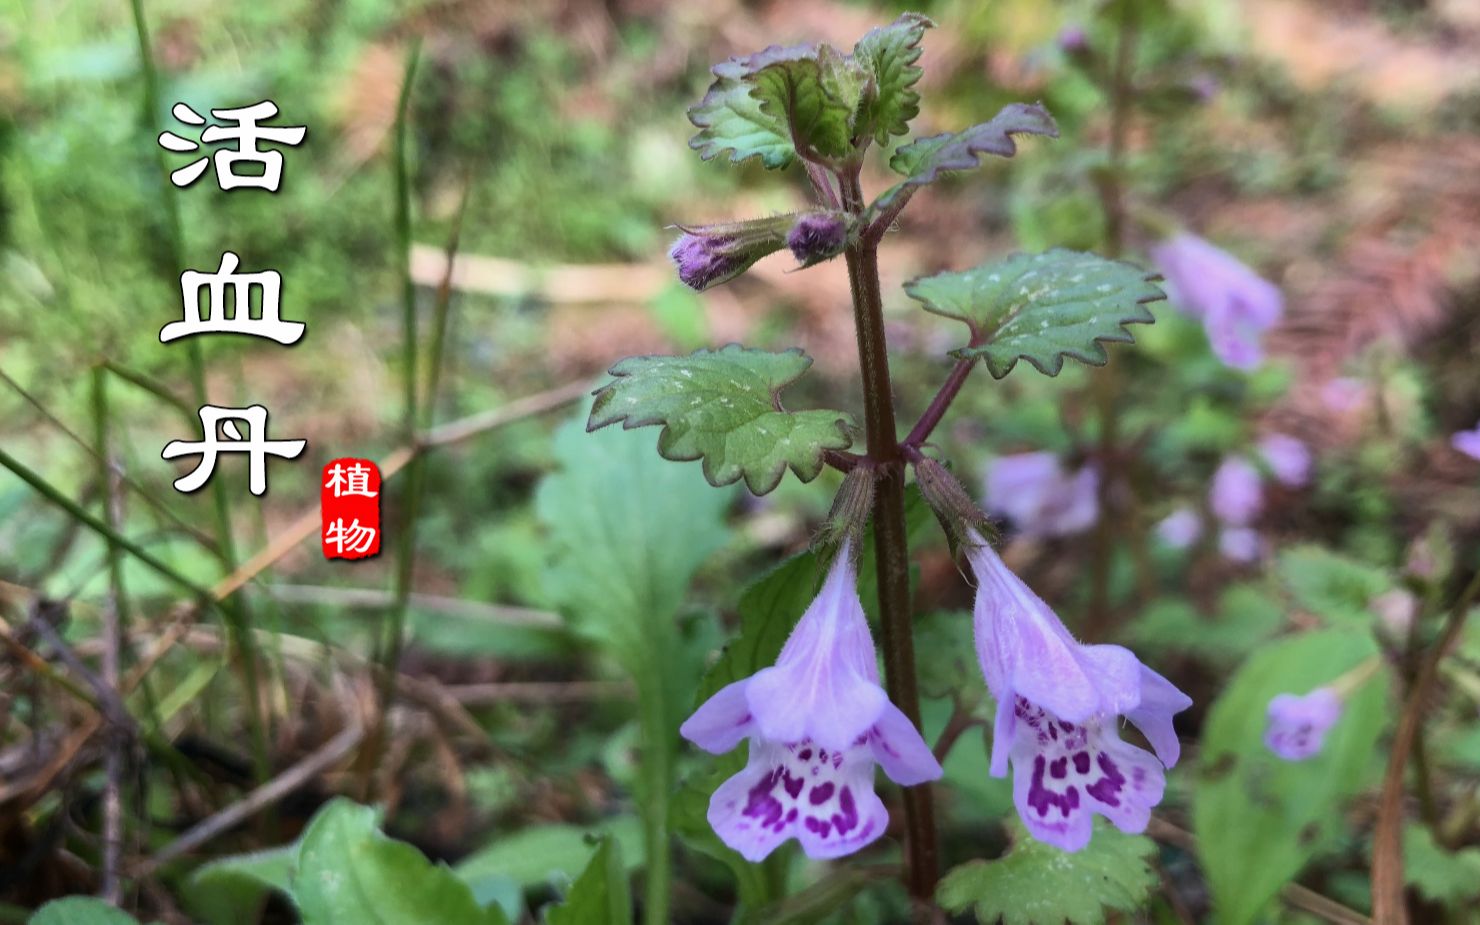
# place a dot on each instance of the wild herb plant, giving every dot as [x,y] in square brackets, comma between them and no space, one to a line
[818,720]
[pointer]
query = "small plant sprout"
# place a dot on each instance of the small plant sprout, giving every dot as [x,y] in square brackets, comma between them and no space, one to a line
[818,720]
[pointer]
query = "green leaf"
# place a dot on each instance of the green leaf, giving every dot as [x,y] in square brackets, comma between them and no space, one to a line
[1037,884]
[888,55]
[924,160]
[1259,819]
[1449,877]
[1330,585]
[627,532]
[231,891]
[814,91]
[351,874]
[600,896]
[731,120]
[778,103]
[81,910]
[538,855]
[723,407]
[1041,307]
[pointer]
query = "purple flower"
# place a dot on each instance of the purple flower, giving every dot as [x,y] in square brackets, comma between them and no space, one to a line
[1039,497]
[1467,442]
[817,236]
[1058,704]
[817,722]
[707,255]
[1288,457]
[1237,495]
[1297,725]
[1236,305]
[1240,544]
[1073,40]
[1180,529]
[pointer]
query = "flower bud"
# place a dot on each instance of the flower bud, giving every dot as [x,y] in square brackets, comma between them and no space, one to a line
[707,255]
[818,236]
[959,516]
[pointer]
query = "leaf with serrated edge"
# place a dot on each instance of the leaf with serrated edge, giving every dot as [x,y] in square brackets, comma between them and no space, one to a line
[888,54]
[722,407]
[1041,307]
[1038,884]
[730,119]
[804,88]
[924,160]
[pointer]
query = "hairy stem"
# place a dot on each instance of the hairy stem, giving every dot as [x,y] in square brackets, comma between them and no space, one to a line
[1107,391]
[938,405]
[891,545]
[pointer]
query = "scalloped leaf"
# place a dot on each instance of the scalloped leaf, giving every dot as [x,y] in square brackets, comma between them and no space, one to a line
[1037,884]
[722,407]
[888,55]
[731,120]
[923,161]
[813,90]
[764,105]
[1042,307]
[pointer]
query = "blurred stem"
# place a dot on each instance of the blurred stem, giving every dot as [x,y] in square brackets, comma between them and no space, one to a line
[1107,386]
[1388,905]
[115,620]
[891,544]
[236,612]
[394,638]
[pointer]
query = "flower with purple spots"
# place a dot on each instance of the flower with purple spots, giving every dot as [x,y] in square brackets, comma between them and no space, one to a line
[1058,705]
[1298,725]
[1237,495]
[817,722]
[1040,497]
[1235,304]
[1467,442]
[1288,458]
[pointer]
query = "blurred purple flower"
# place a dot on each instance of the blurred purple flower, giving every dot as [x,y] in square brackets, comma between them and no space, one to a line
[1240,544]
[1237,495]
[1180,529]
[1039,497]
[1467,442]
[1236,305]
[817,722]
[1297,725]
[1344,394]
[1073,39]
[1288,457]
[1058,705]
[1396,609]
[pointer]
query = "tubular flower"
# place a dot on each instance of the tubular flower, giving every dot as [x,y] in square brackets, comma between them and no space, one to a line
[1040,498]
[1240,544]
[1298,725]
[707,255]
[1236,305]
[1180,529]
[817,722]
[1058,703]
